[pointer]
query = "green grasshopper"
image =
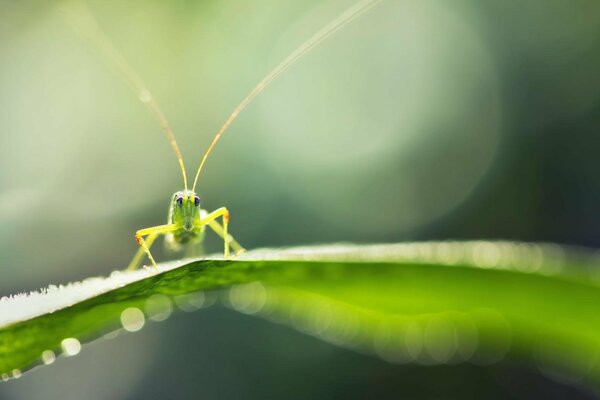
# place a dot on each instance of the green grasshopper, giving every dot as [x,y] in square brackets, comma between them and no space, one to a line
[187,220]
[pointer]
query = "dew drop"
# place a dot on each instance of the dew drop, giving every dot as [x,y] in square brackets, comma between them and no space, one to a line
[190,302]
[389,341]
[467,339]
[248,298]
[486,255]
[413,340]
[71,346]
[321,318]
[159,307]
[132,319]
[439,340]
[145,96]
[48,357]
[116,274]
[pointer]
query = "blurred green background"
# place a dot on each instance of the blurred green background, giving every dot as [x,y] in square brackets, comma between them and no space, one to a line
[421,120]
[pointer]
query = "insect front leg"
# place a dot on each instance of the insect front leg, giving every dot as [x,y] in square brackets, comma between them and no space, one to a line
[152,234]
[137,259]
[210,220]
[220,230]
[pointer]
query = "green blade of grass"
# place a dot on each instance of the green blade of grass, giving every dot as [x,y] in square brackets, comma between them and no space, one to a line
[426,303]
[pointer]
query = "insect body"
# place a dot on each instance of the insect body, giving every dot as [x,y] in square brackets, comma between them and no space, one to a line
[187,221]
[185,226]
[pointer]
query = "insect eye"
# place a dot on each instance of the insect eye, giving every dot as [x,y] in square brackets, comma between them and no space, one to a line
[179,201]
[196,201]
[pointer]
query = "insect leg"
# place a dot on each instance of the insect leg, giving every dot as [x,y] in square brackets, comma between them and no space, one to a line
[137,259]
[152,233]
[221,231]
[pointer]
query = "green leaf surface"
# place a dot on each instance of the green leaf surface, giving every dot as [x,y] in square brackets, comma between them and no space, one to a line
[426,303]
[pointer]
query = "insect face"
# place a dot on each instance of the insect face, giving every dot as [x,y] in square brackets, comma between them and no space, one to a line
[185,210]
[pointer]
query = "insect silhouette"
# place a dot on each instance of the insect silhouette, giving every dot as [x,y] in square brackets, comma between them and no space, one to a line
[187,220]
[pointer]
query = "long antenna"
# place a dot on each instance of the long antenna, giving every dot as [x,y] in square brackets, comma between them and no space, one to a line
[346,17]
[82,20]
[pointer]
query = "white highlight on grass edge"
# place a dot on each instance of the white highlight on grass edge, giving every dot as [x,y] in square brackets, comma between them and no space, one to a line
[70,347]
[48,357]
[132,319]
[529,258]
[25,306]
[483,336]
